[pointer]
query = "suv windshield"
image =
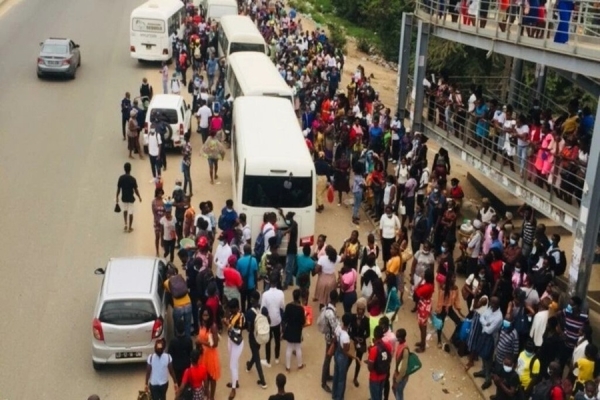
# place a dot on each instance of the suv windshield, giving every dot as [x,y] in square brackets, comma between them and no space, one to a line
[55,49]
[277,192]
[127,312]
[169,114]
[235,47]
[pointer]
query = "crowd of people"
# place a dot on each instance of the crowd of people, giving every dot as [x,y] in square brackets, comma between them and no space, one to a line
[508,313]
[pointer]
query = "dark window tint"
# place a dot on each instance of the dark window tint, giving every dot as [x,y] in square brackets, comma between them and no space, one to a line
[170,114]
[55,49]
[235,47]
[127,312]
[275,191]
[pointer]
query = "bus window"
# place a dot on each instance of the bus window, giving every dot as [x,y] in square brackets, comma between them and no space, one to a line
[235,47]
[275,191]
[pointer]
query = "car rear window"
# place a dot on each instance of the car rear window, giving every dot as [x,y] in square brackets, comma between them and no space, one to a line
[127,312]
[55,49]
[169,114]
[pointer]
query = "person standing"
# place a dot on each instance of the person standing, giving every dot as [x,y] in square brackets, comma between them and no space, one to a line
[507,381]
[154,147]
[158,211]
[358,185]
[281,394]
[228,220]
[168,224]
[211,69]
[125,110]
[251,313]
[133,134]
[400,377]
[222,254]
[181,205]
[146,91]
[389,226]
[180,349]
[186,165]
[332,324]
[214,151]
[378,371]
[235,343]
[194,377]
[341,358]
[273,301]
[127,187]
[204,114]
[247,266]
[292,249]
[159,367]
[164,72]
[293,323]
[208,339]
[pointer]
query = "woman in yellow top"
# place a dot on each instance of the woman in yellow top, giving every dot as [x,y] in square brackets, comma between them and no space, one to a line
[394,265]
[448,304]
[584,367]
[350,250]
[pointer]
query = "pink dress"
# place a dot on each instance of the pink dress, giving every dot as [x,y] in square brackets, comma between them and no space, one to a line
[544,160]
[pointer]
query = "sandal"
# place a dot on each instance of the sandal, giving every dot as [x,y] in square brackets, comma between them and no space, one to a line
[232,394]
[419,350]
[302,366]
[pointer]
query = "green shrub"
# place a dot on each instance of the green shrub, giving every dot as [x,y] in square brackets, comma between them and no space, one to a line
[337,36]
[363,45]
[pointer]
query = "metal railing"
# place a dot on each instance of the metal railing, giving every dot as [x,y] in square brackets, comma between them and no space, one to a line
[564,26]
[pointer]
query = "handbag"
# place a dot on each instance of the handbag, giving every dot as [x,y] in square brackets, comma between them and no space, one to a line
[402,209]
[235,334]
[465,329]
[117,208]
[330,194]
[440,278]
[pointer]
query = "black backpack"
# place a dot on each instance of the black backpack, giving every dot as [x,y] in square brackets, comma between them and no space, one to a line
[561,267]
[383,359]
[542,390]
[521,323]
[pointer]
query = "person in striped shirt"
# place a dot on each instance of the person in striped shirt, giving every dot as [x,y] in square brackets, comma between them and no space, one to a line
[572,318]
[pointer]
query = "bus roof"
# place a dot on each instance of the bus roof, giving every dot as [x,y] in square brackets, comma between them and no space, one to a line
[232,3]
[256,74]
[240,25]
[157,9]
[268,134]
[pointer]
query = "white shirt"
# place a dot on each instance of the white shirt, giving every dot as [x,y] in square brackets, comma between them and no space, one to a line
[206,218]
[160,368]
[475,244]
[523,129]
[471,101]
[221,256]
[273,301]
[538,327]
[268,232]
[246,234]
[342,336]
[154,142]
[424,181]
[175,86]
[204,113]
[389,226]
[327,267]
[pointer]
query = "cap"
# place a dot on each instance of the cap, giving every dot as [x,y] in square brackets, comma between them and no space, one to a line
[477,224]
[202,242]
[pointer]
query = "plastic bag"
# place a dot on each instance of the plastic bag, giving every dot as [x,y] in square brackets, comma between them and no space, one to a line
[330,194]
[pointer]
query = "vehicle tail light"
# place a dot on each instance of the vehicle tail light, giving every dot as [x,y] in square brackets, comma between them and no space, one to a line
[132,49]
[145,127]
[66,62]
[40,60]
[308,240]
[180,129]
[157,329]
[166,51]
[97,329]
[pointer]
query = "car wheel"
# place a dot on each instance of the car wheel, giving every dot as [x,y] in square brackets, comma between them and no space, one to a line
[72,76]
[39,75]
[97,366]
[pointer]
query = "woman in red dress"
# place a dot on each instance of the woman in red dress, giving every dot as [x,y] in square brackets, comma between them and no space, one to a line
[424,293]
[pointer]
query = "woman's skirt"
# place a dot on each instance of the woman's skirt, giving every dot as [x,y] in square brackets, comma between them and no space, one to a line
[325,284]
[475,332]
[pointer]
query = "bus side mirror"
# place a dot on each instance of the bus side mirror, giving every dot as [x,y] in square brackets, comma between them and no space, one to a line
[99,271]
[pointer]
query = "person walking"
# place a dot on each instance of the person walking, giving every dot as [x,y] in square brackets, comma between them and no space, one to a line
[159,367]
[251,313]
[358,185]
[180,348]
[247,266]
[127,187]
[194,378]
[208,339]
[292,249]
[164,72]
[378,369]
[235,343]
[133,134]
[204,115]
[293,323]
[169,238]
[359,331]
[400,377]
[186,165]
[332,323]
[125,110]
[341,358]
[273,301]
[281,394]
[158,211]
[154,147]
[214,151]
[389,226]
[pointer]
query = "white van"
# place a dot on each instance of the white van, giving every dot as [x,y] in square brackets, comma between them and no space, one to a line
[272,167]
[239,33]
[215,9]
[151,27]
[178,115]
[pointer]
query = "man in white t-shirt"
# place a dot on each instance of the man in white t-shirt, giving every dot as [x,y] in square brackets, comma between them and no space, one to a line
[389,225]
[159,367]
[204,114]
[268,230]
[154,145]
[246,231]
[522,134]
[222,254]
[273,301]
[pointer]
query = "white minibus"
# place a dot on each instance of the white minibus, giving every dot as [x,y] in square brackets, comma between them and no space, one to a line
[216,9]
[151,27]
[239,33]
[253,74]
[272,167]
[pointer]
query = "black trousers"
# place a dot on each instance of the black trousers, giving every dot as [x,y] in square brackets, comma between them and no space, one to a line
[275,336]
[255,358]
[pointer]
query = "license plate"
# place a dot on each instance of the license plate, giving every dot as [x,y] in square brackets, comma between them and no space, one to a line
[128,354]
[53,63]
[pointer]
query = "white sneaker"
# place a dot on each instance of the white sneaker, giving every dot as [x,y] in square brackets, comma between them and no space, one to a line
[264,363]
[277,361]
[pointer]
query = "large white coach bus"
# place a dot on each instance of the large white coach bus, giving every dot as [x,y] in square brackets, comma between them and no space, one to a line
[238,33]
[272,167]
[151,26]
[253,74]
[217,9]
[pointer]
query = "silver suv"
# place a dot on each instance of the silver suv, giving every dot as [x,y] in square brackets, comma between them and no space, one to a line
[58,56]
[130,312]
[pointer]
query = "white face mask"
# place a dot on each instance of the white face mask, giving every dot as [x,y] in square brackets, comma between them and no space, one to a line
[507,368]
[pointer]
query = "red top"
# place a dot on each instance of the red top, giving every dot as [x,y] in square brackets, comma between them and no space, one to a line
[456,193]
[195,376]
[556,393]
[496,267]
[373,351]
[232,277]
[425,291]
[212,303]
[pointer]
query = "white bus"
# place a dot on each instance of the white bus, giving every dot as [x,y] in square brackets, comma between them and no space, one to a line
[151,27]
[239,33]
[216,9]
[272,167]
[253,74]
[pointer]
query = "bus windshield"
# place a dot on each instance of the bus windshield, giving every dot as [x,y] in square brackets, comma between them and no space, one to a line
[235,47]
[277,192]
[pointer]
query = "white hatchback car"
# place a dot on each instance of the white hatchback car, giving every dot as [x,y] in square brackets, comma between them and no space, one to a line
[130,311]
[175,112]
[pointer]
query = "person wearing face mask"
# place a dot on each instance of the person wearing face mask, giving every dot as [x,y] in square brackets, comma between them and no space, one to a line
[389,225]
[159,367]
[512,252]
[490,323]
[506,381]
[506,346]
[550,388]
[473,247]
[590,392]
[528,368]
[572,319]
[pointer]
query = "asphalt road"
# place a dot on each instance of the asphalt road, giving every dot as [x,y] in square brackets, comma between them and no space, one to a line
[60,156]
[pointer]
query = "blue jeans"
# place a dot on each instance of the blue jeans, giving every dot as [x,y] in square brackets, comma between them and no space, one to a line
[399,392]
[187,178]
[340,370]
[522,154]
[376,390]
[357,202]
[290,261]
[184,313]
[348,300]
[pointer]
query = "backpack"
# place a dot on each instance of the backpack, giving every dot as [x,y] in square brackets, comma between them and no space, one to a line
[561,267]
[542,390]
[203,279]
[262,328]
[521,323]
[178,286]
[323,322]
[383,360]
[197,52]
[259,244]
